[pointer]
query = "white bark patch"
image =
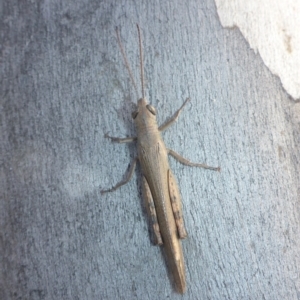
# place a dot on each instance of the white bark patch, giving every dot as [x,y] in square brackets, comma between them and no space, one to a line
[272,28]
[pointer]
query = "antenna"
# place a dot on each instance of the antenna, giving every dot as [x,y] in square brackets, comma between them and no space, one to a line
[141,61]
[126,61]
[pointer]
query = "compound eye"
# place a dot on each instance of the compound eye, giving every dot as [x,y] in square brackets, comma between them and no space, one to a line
[134,114]
[151,109]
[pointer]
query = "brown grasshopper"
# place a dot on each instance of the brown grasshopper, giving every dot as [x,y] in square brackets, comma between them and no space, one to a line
[159,186]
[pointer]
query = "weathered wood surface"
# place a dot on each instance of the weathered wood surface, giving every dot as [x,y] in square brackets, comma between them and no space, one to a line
[63,85]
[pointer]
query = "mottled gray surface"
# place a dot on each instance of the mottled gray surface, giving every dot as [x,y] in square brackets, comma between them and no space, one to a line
[63,85]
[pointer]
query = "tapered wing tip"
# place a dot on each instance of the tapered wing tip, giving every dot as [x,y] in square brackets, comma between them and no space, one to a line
[180,284]
[181,289]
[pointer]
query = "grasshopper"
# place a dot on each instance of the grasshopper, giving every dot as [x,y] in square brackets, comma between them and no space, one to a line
[159,186]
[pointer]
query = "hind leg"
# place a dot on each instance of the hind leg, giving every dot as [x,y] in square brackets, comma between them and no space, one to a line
[151,211]
[176,205]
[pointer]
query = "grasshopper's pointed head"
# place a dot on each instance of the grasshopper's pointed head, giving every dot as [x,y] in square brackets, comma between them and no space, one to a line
[145,114]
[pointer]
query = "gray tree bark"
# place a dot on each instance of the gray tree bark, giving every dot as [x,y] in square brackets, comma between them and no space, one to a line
[64,85]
